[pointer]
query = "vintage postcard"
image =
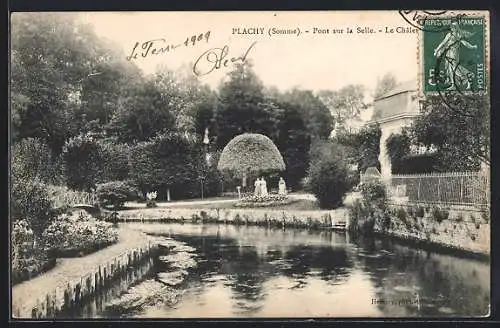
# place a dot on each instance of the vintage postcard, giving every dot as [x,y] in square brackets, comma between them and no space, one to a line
[326,164]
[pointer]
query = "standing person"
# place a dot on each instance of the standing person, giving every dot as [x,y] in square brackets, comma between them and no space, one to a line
[282,187]
[263,187]
[257,185]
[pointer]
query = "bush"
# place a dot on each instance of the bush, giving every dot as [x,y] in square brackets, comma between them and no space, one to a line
[30,200]
[420,212]
[116,193]
[167,161]
[76,234]
[424,163]
[371,211]
[31,159]
[27,261]
[83,162]
[374,191]
[116,162]
[360,218]
[398,146]
[440,214]
[328,179]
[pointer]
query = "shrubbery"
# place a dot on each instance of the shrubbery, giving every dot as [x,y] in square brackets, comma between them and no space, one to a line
[27,260]
[83,162]
[328,175]
[116,193]
[371,212]
[32,159]
[374,192]
[167,161]
[116,162]
[30,200]
[363,147]
[74,234]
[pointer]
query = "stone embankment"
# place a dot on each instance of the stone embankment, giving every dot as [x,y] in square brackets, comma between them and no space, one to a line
[73,280]
[324,219]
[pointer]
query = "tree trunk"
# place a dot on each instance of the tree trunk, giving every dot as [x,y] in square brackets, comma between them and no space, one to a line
[168,194]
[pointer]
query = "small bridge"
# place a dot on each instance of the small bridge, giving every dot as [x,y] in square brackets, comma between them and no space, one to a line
[92,210]
[97,212]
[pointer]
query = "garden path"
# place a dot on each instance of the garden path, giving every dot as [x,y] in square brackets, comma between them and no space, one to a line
[26,294]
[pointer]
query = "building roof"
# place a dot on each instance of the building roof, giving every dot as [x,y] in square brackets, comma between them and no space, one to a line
[406,86]
[396,103]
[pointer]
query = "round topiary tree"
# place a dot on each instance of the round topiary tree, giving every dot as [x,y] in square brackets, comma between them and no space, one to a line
[250,153]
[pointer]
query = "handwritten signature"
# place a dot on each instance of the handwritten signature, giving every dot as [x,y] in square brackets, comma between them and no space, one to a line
[216,58]
[160,46]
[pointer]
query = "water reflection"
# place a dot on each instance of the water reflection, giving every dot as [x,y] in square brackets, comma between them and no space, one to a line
[262,272]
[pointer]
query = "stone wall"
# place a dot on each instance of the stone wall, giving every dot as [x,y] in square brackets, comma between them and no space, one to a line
[290,218]
[457,227]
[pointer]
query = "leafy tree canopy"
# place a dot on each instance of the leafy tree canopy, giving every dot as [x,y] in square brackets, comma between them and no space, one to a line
[250,152]
[458,126]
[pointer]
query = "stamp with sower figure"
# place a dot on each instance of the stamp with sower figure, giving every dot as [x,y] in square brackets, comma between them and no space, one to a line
[453,54]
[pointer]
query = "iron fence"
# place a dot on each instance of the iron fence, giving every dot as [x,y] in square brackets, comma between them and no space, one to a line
[453,188]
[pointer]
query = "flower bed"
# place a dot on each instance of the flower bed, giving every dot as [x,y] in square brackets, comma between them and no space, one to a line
[27,261]
[28,267]
[263,201]
[77,235]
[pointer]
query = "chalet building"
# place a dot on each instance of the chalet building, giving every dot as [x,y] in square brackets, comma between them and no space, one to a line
[392,111]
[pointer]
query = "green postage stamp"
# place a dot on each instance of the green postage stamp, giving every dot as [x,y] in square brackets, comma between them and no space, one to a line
[454,54]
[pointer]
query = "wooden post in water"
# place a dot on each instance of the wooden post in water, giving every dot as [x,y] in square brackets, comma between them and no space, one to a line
[96,281]
[48,305]
[78,289]
[88,283]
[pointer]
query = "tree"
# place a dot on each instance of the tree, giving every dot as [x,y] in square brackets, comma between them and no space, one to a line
[52,58]
[398,146]
[316,115]
[328,174]
[167,161]
[143,111]
[293,138]
[458,126]
[385,84]
[251,153]
[241,106]
[30,200]
[101,92]
[362,147]
[344,104]
[116,162]
[31,159]
[83,162]
[186,97]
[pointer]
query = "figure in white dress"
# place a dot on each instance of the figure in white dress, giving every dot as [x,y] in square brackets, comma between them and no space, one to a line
[263,187]
[257,185]
[282,187]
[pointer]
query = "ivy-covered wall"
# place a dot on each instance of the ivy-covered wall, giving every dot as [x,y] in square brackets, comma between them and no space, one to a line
[458,227]
[455,226]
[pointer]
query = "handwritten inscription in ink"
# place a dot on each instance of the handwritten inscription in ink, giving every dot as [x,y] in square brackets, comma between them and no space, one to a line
[216,58]
[161,46]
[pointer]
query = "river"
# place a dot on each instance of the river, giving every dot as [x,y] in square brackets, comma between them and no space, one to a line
[264,272]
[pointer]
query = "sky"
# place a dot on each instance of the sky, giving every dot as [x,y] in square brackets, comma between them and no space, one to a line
[308,60]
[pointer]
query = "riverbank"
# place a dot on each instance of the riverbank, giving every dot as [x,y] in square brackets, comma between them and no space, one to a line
[330,219]
[26,295]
